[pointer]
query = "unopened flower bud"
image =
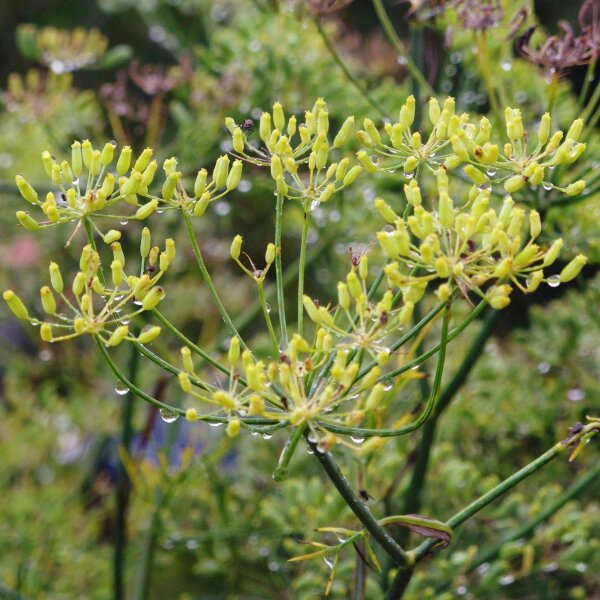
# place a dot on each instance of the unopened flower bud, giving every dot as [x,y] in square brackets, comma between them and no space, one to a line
[186,356]
[573,268]
[238,140]
[191,414]
[87,152]
[184,382]
[270,253]
[117,274]
[236,247]
[343,295]
[311,309]
[149,335]
[514,184]
[276,167]
[233,428]
[201,204]
[278,116]
[327,193]
[118,335]
[352,175]
[410,164]
[46,332]
[535,224]
[26,190]
[76,159]
[375,397]
[27,221]
[575,130]
[544,130]
[143,160]
[282,188]
[108,153]
[235,175]
[264,126]
[169,186]
[365,160]
[221,170]
[233,354]
[344,133]
[434,111]
[573,189]
[144,211]
[15,304]
[553,252]
[385,210]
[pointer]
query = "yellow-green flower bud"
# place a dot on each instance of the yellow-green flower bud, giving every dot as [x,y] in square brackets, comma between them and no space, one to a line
[78,284]
[410,164]
[238,140]
[452,162]
[554,142]
[256,406]
[446,210]
[385,210]
[575,130]
[395,133]
[365,160]
[224,399]
[276,167]
[76,159]
[534,280]
[152,298]
[405,313]
[235,175]
[97,286]
[409,115]
[372,131]
[291,126]
[272,141]
[322,155]
[311,309]
[515,225]
[108,185]
[322,121]
[111,236]
[537,176]
[79,325]
[170,249]
[149,335]
[553,252]
[573,189]
[441,267]
[144,211]
[170,166]
[230,124]
[46,332]
[236,247]
[278,116]
[118,335]
[233,428]
[184,382]
[304,135]
[413,193]
[434,111]
[143,159]
[56,175]
[221,170]
[327,193]
[415,140]
[535,224]
[264,126]
[233,354]
[186,356]
[352,175]
[573,268]
[354,285]
[344,133]
[526,256]
[117,274]
[343,295]
[498,296]
[375,397]
[475,174]
[191,414]
[56,278]
[270,253]
[87,152]
[15,304]
[26,190]
[282,188]
[168,188]
[200,183]
[27,221]
[108,153]
[148,174]
[544,130]
[123,162]
[514,184]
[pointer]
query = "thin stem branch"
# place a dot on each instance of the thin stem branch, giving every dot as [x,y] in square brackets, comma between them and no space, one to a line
[207,279]
[280,472]
[267,316]
[401,48]
[301,269]
[279,270]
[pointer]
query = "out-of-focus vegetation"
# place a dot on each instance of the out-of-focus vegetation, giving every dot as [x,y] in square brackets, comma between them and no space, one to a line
[203,517]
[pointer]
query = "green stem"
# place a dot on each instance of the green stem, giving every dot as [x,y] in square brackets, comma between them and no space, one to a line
[359,508]
[279,270]
[401,48]
[280,472]
[483,60]
[590,478]
[123,487]
[552,88]
[263,302]
[207,279]
[351,78]
[301,269]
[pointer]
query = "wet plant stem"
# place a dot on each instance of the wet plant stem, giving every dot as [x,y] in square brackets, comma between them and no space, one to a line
[207,279]
[280,472]
[302,267]
[401,48]
[349,75]
[279,269]
[266,314]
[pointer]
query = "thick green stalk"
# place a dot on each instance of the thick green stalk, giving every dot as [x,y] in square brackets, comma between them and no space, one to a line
[207,279]
[401,48]
[351,78]
[360,509]
[279,270]
[281,470]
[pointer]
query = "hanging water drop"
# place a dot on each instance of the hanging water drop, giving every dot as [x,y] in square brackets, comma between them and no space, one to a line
[375,159]
[121,388]
[267,307]
[168,416]
[314,205]
[547,185]
[75,181]
[491,171]
[215,424]
[312,437]
[267,436]
[553,281]
[409,175]
[357,439]
[328,562]
[124,222]
[388,386]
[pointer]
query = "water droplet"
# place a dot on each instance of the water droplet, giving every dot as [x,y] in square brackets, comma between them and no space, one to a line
[125,320]
[491,171]
[341,539]
[314,205]
[267,307]
[547,185]
[267,436]
[312,437]
[409,175]
[375,159]
[121,388]
[576,395]
[216,424]
[328,562]
[124,222]
[309,450]
[75,181]
[553,281]
[388,386]
[321,446]
[168,416]
[137,302]
[543,368]
[506,65]
[357,440]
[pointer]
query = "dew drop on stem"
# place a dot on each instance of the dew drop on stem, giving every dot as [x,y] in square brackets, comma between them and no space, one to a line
[121,388]
[168,416]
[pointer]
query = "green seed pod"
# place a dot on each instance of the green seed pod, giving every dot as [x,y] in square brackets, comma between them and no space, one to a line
[573,268]
[200,183]
[27,221]
[76,159]
[236,247]
[15,304]
[118,335]
[152,298]
[26,190]
[123,162]
[46,332]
